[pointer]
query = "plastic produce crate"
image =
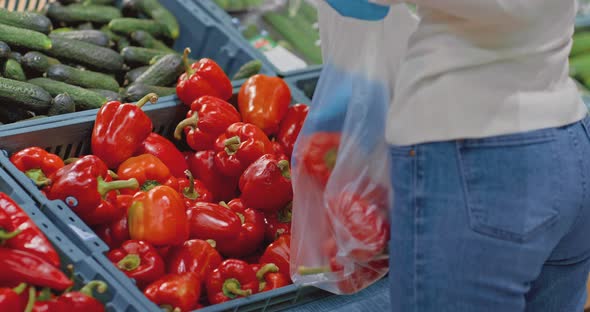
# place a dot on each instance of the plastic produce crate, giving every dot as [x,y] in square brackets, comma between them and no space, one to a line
[204,35]
[70,138]
[305,82]
[232,23]
[117,297]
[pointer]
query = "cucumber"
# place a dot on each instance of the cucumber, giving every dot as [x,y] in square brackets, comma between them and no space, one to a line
[140,56]
[10,113]
[26,20]
[82,78]
[87,54]
[163,73]
[248,70]
[13,70]
[112,36]
[62,29]
[96,37]
[156,11]
[104,2]
[132,75]
[286,27]
[100,14]
[146,40]
[62,104]
[127,25]
[580,65]
[4,50]
[136,91]
[84,99]
[123,43]
[38,61]
[24,38]
[24,95]
[581,43]
[16,56]
[108,94]
[308,11]
[86,26]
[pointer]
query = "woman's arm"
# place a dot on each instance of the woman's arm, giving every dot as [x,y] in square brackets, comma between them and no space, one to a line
[485,11]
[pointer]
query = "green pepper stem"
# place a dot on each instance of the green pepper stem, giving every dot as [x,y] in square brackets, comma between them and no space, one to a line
[44,294]
[223,204]
[113,174]
[231,288]
[150,97]
[285,170]
[129,263]
[212,243]
[330,158]
[232,145]
[71,276]
[100,287]
[189,192]
[20,288]
[71,160]
[267,268]
[187,65]
[31,301]
[241,216]
[312,271]
[105,187]
[8,235]
[285,214]
[38,177]
[149,184]
[191,121]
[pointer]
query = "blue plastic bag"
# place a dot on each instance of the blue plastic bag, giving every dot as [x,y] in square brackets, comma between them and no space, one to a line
[340,174]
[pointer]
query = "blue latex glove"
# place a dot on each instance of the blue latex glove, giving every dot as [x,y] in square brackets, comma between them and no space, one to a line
[360,9]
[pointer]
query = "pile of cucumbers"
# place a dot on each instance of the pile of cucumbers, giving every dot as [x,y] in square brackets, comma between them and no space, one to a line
[77,55]
[580,57]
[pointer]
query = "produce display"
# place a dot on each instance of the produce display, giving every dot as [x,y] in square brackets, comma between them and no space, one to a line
[286,31]
[31,278]
[212,218]
[88,53]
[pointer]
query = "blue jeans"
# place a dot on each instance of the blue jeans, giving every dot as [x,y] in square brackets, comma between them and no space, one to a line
[500,224]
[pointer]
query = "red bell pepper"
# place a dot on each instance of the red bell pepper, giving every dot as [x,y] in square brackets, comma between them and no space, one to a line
[83,300]
[21,266]
[363,222]
[278,223]
[148,170]
[264,101]
[81,184]
[269,276]
[251,234]
[208,118]
[30,238]
[175,291]
[106,212]
[279,151]
[212,221]
[116,232]
[158,217]
[138,260]
[291,126]
[120,129]
[195,255]
[202,166]
[10,299]
[239,146]
[266,184]
[318,155]
[279,253]
[232,279]
[165,150]
[193,190]
[203,77]
[37,164]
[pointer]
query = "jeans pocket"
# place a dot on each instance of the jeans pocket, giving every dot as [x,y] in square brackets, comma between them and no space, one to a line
[511,184]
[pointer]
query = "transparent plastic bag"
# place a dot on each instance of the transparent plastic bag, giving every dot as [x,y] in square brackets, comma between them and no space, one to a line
[340,174]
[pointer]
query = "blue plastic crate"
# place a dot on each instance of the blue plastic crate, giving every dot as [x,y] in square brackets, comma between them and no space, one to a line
[204,35]
[70,138]
[224,18]
[117,297]
[305,82]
